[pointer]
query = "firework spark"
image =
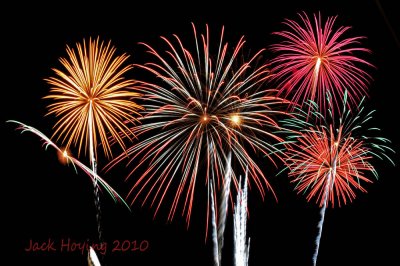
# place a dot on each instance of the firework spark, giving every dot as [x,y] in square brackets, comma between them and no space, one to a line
[69,159]
[93,99]
[330,161]
[314,59]
[200,109]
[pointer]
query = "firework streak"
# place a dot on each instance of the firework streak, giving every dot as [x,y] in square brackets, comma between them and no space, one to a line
[47,142]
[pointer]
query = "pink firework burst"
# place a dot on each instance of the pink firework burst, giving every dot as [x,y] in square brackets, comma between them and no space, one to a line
[315,58]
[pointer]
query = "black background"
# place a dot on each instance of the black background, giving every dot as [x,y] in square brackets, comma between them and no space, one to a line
[43,199]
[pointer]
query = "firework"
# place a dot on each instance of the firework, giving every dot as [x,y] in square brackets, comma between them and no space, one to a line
[203,106]
[330,161]
[313,59]
[69,159]
[93,99]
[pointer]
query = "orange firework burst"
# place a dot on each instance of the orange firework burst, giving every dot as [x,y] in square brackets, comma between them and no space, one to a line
[92,97]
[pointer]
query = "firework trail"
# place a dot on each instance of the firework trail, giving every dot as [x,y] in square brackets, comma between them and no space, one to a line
[241,244]
[218,231]
[223,207]
[329,161]
[315,58]
[217,256]
[93,260]
[320,224]
[47,142]
[92,99]
[200,107]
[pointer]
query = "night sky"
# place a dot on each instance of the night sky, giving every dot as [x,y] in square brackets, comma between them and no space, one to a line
[44,200]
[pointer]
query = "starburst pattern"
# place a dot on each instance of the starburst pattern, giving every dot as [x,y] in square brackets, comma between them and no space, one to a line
[315,58]
[333,159]
[92,97]
[330,158]
[93,100]
[200,109]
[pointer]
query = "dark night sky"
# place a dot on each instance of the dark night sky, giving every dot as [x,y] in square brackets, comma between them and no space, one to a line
[43,199]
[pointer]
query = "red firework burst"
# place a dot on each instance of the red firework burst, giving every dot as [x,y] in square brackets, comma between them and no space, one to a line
[330,161]
[329,165]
